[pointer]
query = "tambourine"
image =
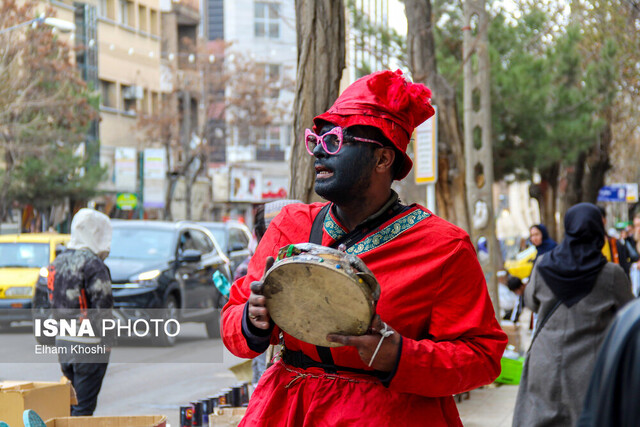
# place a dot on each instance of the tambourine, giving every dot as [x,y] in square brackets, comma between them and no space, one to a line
[312,291]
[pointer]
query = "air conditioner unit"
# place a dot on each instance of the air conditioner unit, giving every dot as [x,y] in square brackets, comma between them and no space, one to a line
[133,92]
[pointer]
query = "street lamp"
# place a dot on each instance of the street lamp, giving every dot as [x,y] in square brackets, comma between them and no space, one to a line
[60,24]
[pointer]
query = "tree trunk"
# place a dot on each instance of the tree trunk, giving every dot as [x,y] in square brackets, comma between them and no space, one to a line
[6,180]
[321,59]
[581,181]
[547,195]
[597,163]
[186,148]
[450,189]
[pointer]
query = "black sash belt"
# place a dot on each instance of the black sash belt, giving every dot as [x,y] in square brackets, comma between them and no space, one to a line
[300,360]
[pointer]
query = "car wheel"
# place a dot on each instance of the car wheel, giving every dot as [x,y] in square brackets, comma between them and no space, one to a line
[213,323]
[165,340]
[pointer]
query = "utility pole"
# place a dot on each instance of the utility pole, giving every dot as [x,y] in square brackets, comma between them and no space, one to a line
[477,139]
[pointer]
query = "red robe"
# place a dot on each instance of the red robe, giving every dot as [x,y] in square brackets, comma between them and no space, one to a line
[433,293]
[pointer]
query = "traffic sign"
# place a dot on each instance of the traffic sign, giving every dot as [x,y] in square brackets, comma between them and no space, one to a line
[612,193]
[126,201]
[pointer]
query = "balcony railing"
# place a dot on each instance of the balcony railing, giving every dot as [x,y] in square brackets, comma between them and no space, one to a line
[274,154]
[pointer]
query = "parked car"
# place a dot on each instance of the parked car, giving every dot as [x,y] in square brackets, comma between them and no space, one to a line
[522,265]
[164,265]
[233,238]
[21,258]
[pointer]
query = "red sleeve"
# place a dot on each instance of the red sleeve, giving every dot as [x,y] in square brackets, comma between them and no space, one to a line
[291,226]
[232,313]
[467,341]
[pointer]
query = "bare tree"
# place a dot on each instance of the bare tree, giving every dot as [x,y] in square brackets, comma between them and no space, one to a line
[321,60]
[451,193]
[233,88]
[45,111]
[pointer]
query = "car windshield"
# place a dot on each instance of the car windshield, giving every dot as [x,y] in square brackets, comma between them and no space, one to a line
[148,243]
[24,255]
[218,234]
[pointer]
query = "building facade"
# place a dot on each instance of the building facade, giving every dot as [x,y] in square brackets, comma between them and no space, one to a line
[256,167]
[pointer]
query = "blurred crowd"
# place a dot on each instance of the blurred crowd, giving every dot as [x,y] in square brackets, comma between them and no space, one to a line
[581,365]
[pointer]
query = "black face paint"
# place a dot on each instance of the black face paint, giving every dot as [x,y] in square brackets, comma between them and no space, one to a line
[343,178]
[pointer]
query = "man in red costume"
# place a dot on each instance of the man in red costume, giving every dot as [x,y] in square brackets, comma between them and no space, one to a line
[445,337]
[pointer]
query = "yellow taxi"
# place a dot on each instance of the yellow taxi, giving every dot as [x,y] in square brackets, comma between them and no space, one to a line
[22,256]
[522,265]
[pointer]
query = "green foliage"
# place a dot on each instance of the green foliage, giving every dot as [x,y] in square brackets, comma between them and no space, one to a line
[378,42]
[545,96]
[45,181]
[549,85]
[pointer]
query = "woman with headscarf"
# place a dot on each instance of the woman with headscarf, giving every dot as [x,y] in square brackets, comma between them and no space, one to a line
[539,236]
[576,294]
[614,391]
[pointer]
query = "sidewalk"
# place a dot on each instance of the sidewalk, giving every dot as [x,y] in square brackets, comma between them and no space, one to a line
[490,406]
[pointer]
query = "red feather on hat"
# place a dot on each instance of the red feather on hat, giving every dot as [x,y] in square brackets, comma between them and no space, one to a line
[392,89]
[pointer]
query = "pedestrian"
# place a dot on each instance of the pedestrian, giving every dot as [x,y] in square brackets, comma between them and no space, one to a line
[79,286]
[614,390]
[616,250]
[441,337]
[539,237]
[262,218]
[517,287]
[576,294]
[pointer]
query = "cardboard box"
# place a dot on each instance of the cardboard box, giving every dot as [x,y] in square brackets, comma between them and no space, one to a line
[226,417]
[119,421]
[48,399]
[513,334]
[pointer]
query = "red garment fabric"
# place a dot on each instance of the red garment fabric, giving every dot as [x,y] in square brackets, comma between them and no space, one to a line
[433,293]
[387,101]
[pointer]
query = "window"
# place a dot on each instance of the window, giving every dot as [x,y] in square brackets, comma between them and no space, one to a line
[142,18]
[108,94]
[155,104]
[128,96]
[107,9]
[272,77]
[267,20]
[270,137]
[153,22]
[198,240]
[237,240]
[126,13]
[145,101]
[24,255]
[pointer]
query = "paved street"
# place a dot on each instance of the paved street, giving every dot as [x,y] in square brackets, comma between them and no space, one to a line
[150,387]
[147,387]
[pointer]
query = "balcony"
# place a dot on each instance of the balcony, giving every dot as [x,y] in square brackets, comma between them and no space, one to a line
[272,154]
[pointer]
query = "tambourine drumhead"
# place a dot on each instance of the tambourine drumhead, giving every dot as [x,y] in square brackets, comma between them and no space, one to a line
[309,299]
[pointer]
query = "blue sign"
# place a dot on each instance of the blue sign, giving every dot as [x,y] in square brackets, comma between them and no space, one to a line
[612,193]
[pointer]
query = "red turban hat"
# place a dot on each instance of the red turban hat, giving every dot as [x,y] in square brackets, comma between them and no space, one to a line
[387,101]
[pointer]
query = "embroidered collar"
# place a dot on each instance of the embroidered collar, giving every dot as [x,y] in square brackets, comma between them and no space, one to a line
[409,218]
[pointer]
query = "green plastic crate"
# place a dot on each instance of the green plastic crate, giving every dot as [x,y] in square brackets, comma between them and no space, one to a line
[511,371]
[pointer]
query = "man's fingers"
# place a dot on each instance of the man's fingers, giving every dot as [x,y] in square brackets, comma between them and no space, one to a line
[268,264]
[343,339]
[257,311]
[376,324]
[257,287]
[256,299]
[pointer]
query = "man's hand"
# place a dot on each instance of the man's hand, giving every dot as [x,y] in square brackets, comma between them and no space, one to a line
[387,355]
[258,313]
